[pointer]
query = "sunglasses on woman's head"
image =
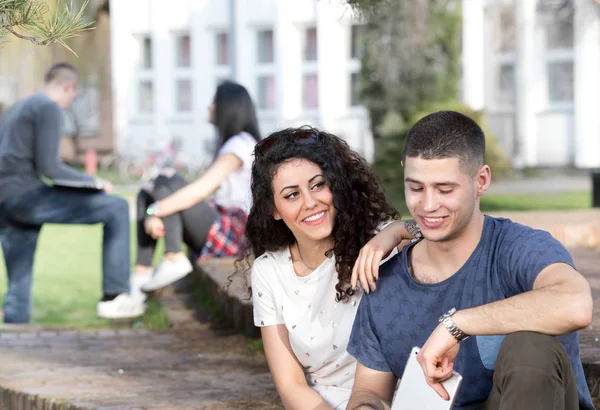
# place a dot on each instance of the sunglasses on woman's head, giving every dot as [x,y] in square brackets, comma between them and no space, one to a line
[300,136]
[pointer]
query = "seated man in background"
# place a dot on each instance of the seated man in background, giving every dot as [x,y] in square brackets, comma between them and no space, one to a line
[29,150]
[512,288]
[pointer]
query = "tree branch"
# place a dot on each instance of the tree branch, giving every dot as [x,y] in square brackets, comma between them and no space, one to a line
[37,24]
[29,38]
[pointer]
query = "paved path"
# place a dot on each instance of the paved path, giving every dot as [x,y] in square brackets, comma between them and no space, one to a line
[187,367]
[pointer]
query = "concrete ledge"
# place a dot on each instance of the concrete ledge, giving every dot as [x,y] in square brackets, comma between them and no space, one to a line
[573,228]
[232,296]
[15,400]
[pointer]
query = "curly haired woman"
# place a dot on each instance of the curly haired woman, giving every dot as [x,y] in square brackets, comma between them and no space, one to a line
[315,205]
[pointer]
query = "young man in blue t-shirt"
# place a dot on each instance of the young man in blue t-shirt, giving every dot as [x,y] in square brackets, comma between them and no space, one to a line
[515,290]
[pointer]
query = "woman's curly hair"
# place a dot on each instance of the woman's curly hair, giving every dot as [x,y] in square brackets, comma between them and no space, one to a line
[358,197]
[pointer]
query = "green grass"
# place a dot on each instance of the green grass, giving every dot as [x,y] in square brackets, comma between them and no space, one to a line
[204,300]
[155,317]
[67,280]
[498,203]
[256,345]
[561,201]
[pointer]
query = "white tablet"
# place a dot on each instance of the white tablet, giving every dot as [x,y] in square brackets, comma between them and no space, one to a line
[85,185]
[415,393]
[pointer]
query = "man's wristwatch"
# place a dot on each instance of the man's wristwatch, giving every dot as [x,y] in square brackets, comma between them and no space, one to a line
[153,209]
[446,320]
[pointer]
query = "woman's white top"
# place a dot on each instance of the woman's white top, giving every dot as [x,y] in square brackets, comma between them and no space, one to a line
[319,327]
[235,190]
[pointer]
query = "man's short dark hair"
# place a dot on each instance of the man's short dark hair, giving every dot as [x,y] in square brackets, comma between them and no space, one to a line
[61,73]
[446,134]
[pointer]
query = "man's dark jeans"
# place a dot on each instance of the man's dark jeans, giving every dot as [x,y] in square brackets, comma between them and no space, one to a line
[21,221]
[532,372]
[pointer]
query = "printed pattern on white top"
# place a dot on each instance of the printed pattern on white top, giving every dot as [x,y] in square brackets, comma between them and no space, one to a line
[318,326]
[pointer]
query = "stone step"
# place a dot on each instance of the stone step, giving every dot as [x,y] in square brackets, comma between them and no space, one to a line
[231,291]
[178,368]
[573,228]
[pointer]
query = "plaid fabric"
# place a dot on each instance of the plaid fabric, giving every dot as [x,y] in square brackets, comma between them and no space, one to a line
[226,235]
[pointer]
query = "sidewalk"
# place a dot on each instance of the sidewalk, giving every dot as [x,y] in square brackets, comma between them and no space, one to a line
[187,367]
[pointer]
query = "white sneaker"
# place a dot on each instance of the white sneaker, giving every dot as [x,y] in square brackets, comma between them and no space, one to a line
[137,280]
[168,272]
[123,306]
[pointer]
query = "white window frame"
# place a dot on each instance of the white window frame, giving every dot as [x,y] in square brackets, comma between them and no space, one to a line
[143,74]
[221,71]
[557,55]
[215,35]
[500,59]
[265,70]
[309,67]
[354,67]
[181,73]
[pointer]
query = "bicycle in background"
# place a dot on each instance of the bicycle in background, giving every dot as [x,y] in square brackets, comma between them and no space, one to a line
[132,170]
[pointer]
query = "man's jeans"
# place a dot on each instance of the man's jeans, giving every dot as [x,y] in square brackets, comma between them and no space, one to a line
[533,371]
[22,219]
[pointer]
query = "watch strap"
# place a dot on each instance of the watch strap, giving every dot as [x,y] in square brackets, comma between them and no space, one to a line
[153,209]
[446,320]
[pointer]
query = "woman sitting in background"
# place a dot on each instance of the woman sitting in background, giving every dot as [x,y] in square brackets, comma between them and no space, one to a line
[180,212]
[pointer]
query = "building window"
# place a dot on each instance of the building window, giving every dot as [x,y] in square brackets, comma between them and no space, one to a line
[354,89]
[183,97]
[505,30]
[264,43]
[506,84]
[222,49]
[356,41]
[146,97]
[146,53]
[266,92]
[560,81]
[310,91]
[560,32]
[310,44]
[183,50]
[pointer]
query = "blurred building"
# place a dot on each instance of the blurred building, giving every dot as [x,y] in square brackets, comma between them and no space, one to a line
[298,59]
[534,65]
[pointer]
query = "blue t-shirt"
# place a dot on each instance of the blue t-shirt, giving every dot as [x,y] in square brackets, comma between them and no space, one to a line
[402,313]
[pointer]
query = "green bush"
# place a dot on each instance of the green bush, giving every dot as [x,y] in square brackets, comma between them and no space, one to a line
[390,138]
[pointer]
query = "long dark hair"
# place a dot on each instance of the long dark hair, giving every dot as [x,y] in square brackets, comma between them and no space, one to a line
[234,112]
[358,197]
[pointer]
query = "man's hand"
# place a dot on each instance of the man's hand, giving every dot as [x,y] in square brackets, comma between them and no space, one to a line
[154,227]
[107,187]
[436,358]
